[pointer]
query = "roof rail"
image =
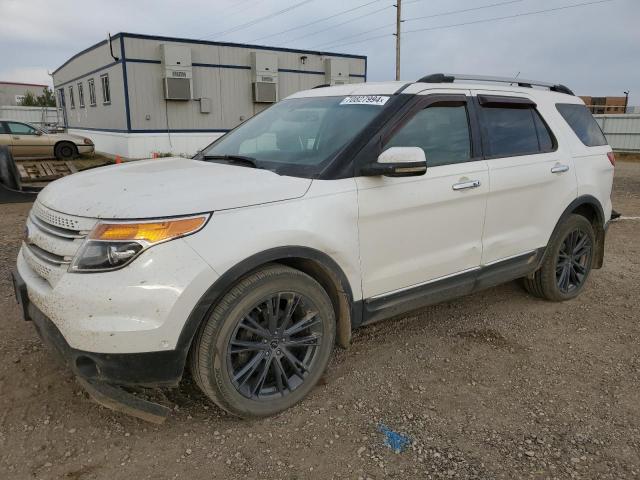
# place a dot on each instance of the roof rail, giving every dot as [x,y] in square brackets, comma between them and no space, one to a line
[451,77]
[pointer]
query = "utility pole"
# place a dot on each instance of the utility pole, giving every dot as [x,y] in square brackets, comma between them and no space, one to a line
[398,25]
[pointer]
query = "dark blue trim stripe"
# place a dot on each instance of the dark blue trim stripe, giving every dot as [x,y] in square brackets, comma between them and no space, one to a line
[213,65]
[87,74]
[115,130]
[123,56]
[241,45]
[239,67]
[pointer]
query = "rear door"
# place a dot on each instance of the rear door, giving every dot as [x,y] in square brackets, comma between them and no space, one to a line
[26,141]
[531,174]
[415,230]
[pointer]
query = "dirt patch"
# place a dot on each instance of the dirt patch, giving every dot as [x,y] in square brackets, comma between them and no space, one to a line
[450,379]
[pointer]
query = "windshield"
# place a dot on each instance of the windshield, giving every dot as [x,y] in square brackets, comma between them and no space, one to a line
[298,136]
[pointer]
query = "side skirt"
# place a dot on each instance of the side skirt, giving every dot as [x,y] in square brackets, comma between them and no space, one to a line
[387,306]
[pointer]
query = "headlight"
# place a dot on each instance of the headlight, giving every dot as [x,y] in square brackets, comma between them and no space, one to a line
[113,245]
[87,141]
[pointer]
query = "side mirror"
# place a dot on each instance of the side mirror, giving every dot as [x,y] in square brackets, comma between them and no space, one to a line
[38,133]
[398,162]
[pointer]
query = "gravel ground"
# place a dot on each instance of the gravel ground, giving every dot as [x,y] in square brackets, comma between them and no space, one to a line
[493,385]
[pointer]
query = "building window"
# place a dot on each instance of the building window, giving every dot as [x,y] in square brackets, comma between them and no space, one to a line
[92,92]
[106,93]
[61,98]
[72,100]
[80,95]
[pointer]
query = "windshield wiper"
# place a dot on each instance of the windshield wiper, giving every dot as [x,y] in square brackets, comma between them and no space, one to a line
[240,159]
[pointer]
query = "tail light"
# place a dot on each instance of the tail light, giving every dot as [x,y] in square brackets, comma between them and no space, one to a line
[612,158]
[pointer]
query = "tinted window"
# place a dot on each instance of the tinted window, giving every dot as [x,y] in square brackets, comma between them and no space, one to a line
[21,129]
[544,137]
[510,131]
[582,123]
[441,131]
[2,129]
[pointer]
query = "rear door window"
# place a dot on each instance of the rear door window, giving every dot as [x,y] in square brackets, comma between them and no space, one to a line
[21,129]
[514,131]
[582,123]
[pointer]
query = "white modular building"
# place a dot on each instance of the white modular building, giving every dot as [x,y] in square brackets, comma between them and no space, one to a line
[138,94]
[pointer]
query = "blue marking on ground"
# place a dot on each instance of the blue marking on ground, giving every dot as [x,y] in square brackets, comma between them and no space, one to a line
[394,440]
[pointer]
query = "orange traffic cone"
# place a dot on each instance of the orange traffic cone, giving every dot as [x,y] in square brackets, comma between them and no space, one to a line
[118,160]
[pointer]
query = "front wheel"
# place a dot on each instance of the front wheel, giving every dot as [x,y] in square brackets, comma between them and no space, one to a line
[65,151]
[567,261]
[266,343]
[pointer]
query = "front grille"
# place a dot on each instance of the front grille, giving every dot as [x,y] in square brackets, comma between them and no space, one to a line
[52,240]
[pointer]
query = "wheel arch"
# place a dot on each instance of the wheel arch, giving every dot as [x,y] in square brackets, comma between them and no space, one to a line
[589,207]
[318,265]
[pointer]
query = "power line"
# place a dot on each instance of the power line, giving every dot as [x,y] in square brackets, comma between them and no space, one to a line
[340,24]
[260,19]
[442,14]
[350,21]
[317,21]
[442,27]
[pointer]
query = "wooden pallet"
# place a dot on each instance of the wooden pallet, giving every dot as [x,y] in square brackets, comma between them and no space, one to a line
[44,170]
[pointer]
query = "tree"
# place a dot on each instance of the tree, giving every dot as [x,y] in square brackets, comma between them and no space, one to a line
[47,99]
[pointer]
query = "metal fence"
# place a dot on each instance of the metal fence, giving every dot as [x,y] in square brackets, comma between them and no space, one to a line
[41,116]
[622,131]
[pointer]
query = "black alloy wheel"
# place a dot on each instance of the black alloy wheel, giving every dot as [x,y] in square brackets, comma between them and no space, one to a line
[274,346]
[573,261]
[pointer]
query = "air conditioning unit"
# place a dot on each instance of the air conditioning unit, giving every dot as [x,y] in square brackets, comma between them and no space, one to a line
[336,71]
[177,72]
[264,69]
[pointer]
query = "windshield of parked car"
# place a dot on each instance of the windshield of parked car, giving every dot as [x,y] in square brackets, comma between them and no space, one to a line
[297,136]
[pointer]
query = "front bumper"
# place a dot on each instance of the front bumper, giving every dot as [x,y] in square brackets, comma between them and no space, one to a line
[163,368]
[86,149]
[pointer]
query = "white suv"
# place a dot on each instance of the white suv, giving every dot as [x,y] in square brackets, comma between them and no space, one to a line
[334,208]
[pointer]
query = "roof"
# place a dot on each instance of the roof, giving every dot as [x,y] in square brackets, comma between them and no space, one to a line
[395,87]
[205,42]
[23,84]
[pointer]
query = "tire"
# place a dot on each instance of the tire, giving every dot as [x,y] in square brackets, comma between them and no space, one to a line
[562,277]
[9,176]
[65,151]
[243,379]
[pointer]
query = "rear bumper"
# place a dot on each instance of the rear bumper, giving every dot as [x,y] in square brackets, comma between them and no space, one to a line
[163,368]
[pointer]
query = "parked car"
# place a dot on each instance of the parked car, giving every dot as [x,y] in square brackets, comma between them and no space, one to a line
[335,208]
[28,141]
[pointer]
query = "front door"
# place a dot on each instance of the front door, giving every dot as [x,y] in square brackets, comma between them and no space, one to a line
[416,230]
[26,141]
[531,174]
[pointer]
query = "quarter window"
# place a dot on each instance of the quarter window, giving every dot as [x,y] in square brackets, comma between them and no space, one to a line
[442,131]
[106,93]
[80,95]
[582,123]
[515,131]
[72,100]
[92,92]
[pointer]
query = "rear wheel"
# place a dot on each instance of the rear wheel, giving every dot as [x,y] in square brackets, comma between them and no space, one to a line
[65,151]
[266,343]
[567,262]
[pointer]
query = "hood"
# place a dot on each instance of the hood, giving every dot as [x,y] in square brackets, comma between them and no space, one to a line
[167,187]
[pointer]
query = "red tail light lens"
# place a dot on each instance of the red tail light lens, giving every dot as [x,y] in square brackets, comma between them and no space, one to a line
[612,158]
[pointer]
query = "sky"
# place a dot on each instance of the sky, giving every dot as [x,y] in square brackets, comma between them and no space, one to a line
[593,49]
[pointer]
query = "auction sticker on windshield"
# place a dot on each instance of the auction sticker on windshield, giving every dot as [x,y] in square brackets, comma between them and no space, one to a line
[364,100]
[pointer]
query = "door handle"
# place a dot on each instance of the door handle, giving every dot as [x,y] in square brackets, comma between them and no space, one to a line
[465,185]
[16,138]
[560,169]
